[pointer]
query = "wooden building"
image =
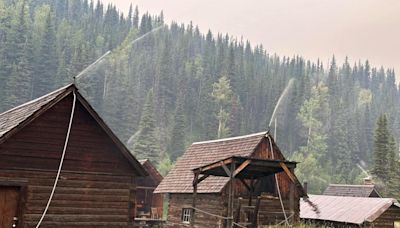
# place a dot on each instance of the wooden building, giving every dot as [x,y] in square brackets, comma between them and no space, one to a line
[199,184]
[148,204]
[366,190]
[96,186]
[345,211]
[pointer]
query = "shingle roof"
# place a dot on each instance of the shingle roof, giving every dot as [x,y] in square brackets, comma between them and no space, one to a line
[17,118]
[354,210]
[14,117]
[179,179]
[351,190]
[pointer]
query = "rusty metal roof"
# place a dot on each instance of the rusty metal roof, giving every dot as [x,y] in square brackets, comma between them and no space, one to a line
[343,209]
[179,179]
[351,190]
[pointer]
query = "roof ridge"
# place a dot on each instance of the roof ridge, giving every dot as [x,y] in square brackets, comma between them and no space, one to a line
[230,138]
[353,185]
[36,99]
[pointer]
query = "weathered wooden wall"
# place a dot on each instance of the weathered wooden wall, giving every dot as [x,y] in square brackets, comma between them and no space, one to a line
[96,186]
[388,218]
[208,202]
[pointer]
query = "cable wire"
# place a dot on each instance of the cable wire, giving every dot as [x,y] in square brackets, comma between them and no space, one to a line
[61,161]
[277,183]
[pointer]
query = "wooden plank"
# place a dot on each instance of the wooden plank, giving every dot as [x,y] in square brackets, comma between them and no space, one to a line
[241,167]
[294,179]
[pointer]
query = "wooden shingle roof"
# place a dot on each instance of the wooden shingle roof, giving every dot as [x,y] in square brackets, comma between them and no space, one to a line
[179,179]
[15,119]
[351,190]
[350,210]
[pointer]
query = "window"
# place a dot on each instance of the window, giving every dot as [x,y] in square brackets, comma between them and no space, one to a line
[397,224]
[186,214]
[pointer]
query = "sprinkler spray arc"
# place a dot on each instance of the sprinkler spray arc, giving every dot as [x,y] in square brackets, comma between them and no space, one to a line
[100,59]
[283,95]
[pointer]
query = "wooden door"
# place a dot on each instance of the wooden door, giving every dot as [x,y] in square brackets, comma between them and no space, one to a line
[8,206]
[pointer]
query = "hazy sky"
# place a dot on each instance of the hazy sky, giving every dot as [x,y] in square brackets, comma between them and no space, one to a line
[360,29]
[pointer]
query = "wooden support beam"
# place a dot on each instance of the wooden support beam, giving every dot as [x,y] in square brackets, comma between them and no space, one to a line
[241,167]
[214,165]
[202,178]
[195,181]
[246,185]
[227,171]
[293,178]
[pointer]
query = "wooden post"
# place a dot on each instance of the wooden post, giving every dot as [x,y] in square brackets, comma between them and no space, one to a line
[196,177]
[231,196]
[291,198]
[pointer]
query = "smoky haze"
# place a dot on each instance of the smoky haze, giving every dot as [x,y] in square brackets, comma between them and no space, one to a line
[359,29]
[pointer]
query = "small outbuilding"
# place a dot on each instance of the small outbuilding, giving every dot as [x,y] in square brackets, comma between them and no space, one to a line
[366,190]
[220,183]
[344,211]
[148,204]
[97,180]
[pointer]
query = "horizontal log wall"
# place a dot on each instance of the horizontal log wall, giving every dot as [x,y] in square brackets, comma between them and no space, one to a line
[80,200]
[388,218]
[208,202]
[97,184]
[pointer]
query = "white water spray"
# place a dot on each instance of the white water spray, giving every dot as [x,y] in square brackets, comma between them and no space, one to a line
[100,59]
[283,95]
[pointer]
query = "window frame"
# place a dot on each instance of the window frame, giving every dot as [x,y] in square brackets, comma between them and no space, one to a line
[186,215]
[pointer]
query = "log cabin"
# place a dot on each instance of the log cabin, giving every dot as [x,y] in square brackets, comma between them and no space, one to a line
[149,206]
[350,211]
[365,190]
[97,182]
[223,182]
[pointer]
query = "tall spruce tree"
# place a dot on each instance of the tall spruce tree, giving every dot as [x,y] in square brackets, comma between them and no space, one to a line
[381,147]
[146,141]
[176,145]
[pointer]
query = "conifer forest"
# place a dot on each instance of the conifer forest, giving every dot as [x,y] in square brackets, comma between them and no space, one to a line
[175,85]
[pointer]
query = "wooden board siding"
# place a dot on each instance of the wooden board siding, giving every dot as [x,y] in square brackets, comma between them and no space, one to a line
[97,183]
[41,143]
[388,218]
[207,202]
[263,151]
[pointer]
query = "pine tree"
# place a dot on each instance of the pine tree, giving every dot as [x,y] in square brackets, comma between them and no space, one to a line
[381,146]
[18,84]
[135,19]
[393,183]
[146,141]
[46,61]
[176,145]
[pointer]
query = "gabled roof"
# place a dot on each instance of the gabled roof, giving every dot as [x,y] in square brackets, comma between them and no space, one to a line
[352,210]
[367,190]
[15,119]
[179,179]
[151,170]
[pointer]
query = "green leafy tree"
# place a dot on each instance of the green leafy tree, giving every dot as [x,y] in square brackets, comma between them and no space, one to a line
[222,94]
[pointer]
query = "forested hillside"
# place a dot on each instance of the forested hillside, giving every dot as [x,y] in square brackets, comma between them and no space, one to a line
[176,85]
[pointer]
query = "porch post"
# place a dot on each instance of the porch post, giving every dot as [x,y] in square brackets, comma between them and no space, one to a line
[196,178]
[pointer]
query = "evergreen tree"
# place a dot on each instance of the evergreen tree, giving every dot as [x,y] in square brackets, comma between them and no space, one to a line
[146,141]
[381,147]
[46,61]
[176,145]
